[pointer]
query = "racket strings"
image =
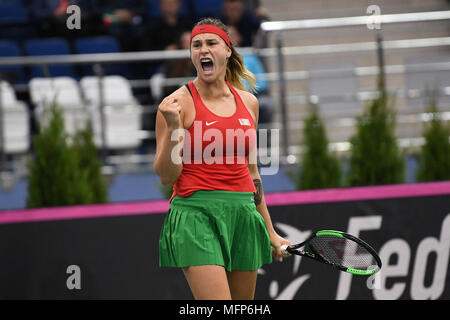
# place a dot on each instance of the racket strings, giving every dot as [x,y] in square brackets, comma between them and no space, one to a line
[341,251]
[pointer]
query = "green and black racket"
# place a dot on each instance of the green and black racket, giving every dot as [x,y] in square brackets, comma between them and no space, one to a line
[339,250]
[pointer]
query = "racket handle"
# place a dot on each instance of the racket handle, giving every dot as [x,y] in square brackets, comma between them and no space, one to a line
[283,249]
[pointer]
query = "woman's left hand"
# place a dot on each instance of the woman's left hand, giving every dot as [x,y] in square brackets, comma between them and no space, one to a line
[277,241]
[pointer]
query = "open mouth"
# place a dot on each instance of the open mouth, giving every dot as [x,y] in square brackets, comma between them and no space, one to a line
[207,65]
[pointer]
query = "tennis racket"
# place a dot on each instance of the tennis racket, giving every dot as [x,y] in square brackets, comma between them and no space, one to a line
[339,250]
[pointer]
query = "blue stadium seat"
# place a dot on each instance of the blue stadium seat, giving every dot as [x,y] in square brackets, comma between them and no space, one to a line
[12,74]
[45,47]
[154,11]
[97,45]
[12,12]
[14,21]
[207,8]
[105,44]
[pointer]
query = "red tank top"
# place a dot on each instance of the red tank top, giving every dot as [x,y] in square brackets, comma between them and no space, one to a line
[216,148]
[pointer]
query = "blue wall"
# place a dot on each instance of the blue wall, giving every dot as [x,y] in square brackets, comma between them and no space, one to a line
[144,186]
[130,187]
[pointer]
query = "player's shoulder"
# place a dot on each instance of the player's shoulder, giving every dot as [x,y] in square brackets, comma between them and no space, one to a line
[246,95]
[249,99]
[181,93]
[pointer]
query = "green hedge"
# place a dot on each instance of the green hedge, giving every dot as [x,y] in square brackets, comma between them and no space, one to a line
[63,173]
[320,169]
[375,158]
[434,161]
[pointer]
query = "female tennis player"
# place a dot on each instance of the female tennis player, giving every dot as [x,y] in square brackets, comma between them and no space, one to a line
[218,228]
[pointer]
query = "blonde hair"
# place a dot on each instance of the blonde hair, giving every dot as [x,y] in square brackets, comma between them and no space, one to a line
[236,70]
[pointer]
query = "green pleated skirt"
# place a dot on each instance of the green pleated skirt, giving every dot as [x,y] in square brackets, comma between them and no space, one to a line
[214,228]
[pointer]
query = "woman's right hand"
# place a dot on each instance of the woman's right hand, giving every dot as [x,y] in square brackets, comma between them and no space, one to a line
[170,109]
[169,134]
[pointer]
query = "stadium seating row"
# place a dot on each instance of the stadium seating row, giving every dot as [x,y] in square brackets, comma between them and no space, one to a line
[334,86]
[57,46]
[80,102]
[21,19]
[15,11]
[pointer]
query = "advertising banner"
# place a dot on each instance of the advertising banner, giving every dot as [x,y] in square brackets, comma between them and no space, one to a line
[111,251]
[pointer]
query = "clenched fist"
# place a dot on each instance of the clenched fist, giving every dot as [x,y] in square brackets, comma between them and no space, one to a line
[170,109]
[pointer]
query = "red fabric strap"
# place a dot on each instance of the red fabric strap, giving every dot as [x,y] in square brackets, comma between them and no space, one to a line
[209,28]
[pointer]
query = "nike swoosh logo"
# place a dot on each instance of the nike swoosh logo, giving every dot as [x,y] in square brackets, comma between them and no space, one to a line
[210,123]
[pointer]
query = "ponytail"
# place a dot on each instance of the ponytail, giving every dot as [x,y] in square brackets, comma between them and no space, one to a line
[236,71]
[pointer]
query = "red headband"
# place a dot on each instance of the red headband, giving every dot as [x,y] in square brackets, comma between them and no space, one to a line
[209,28]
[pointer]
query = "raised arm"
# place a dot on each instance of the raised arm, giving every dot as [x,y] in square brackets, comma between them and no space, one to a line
[169,136]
